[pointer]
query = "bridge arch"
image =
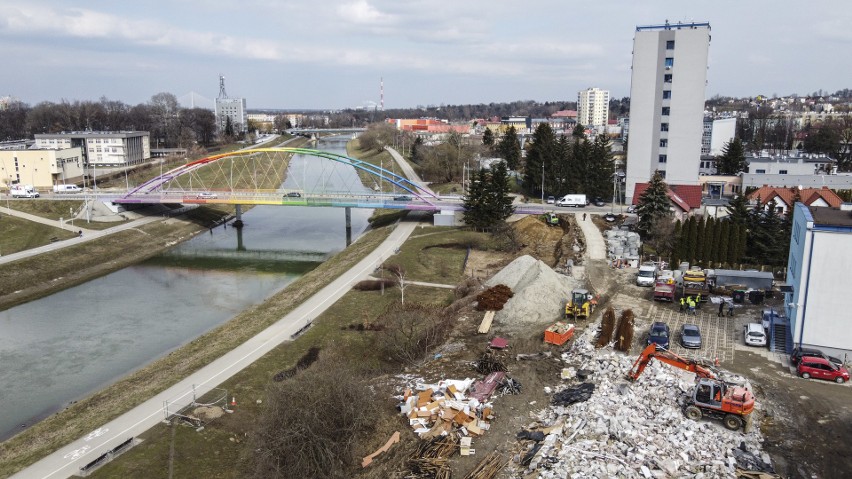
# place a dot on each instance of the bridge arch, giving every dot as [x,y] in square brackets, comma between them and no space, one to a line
[382,174]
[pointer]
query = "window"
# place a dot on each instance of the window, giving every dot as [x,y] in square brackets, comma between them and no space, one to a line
[662,174]
[782,172]
[760,172]
[664,142]
[667,78]
[663,158]
[670,45]
[667,94]
[664,127]
[669,63]
[666,111]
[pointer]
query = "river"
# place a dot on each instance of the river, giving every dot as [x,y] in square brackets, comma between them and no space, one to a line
[65,346]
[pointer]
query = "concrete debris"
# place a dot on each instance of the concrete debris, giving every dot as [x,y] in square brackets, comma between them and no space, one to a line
[538,293]
[630,430]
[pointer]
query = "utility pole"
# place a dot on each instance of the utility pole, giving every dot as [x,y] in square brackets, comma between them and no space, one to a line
[542,182]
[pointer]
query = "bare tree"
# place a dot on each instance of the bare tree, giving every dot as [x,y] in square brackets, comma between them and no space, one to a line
[398,273]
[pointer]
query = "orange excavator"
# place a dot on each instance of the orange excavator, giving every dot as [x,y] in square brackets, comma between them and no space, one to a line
[711,397]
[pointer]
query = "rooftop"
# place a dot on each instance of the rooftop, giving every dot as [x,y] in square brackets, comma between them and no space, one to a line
[77,134]
[831,216]
[670,26]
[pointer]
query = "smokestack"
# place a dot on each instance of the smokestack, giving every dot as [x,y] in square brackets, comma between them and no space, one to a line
[382,93]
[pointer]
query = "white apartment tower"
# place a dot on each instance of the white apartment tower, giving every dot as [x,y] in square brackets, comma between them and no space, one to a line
[233,108]
[593,107]
[667,103]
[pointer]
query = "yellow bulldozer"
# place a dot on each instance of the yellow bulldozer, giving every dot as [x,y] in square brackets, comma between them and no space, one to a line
[579,305]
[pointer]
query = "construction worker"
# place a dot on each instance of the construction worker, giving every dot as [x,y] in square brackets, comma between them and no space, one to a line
[584,216]
[682,301]
[731,309]
[721,309]
[691,306]
[698,302]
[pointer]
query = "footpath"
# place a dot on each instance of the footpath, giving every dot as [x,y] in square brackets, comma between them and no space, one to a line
[68,460]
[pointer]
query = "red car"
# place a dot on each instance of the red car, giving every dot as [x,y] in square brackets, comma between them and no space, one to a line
[821,368]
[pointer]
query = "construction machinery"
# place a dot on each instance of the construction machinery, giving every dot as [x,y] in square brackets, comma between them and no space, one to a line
[694,282]
[579,305]
[711,396]
[551,219]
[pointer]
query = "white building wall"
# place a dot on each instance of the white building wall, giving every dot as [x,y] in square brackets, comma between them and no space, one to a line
[685,121]
[724,131]
[825,318]
[593,107]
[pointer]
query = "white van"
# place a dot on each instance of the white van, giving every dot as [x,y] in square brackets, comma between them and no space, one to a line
[573,200]
[67,189]
[647,274]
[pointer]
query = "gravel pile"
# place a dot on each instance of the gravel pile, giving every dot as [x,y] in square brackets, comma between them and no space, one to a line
[633,430]
[540,293]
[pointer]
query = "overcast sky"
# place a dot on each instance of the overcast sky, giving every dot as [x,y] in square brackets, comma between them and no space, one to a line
[332,53]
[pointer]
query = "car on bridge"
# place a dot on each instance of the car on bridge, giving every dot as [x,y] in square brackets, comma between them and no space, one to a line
[293,194]
[206,195]
[402,198]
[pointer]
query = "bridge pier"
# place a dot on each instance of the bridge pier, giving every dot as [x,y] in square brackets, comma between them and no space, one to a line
[238,223]
[240,245]
[348,226]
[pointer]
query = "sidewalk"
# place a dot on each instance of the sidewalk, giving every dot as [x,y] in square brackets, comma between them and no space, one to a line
[595,245]
[407,170]
[44,221]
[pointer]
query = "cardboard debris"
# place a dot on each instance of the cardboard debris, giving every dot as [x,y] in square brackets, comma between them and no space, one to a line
[482,390]
[450,406]
[369,459]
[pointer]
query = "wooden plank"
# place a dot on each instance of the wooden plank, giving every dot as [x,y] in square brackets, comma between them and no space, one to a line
[485,325]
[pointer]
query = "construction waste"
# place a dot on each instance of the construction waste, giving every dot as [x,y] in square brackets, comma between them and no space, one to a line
[623,245]
[603,426]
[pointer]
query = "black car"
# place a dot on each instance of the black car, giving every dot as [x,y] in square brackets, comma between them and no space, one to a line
[293,194]
[690,336]
[402,198]
[598,201]
[798,353]
[659,335]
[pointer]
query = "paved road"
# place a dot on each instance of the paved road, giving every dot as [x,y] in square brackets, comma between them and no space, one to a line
[407,170]
[68,460]
[595,245]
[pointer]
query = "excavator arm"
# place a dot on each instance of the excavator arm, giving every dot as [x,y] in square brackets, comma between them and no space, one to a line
[667,357]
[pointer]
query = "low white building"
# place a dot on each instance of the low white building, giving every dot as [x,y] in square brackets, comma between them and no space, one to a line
[101,149]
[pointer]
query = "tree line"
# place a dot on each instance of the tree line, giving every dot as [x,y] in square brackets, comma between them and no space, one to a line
[169,124]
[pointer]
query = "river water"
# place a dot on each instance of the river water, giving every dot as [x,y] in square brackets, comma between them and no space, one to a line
[63,347]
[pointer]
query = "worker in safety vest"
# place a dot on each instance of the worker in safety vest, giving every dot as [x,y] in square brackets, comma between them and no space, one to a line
[691,306]
[698,301]
[682,301]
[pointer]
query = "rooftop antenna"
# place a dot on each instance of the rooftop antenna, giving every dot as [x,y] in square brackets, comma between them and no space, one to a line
[222,93]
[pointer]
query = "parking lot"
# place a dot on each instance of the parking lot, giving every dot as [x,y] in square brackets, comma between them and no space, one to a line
[717,334]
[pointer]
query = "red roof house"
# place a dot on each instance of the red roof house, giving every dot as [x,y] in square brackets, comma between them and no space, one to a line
[685,197]
[782,199]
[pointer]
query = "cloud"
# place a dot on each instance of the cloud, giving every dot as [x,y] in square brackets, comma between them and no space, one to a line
[361,12]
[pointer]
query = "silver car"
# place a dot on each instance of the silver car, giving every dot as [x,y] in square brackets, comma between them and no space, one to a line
[690,336]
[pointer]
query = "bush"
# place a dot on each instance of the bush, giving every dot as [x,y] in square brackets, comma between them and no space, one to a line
[412,331]
[374,284]
[309,427]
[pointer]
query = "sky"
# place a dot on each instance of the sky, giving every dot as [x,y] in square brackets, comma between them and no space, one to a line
[331,54]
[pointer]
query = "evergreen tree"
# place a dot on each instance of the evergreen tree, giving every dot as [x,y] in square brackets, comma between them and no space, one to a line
[724,236]
[732,160]
[476,212]
[675,257]
[488,138]
[682,243]
[717,240]
[580,153]
[738,211]
[415,150]
[600,168]
[709,232]
[733,243]
[509,148]
[743,235]
[692,240]
[699,240]
[488,202]
[654,203]
[499,199]
[229,127]
[563,178]
[541,156]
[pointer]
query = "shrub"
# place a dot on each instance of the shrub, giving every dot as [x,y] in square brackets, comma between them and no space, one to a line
[412,331]
[374,284]
[309,428]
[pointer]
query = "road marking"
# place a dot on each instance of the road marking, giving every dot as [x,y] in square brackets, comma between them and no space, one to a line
[73,455]
[97,432]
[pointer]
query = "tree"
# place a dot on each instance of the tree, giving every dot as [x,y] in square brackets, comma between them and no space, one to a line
[600,168]
[691,239]
[738,210]
[708,249]
[488,203]
[732,160]
[164,116]
[229,128]
[699,239]
[653,203]
[415,150]
[541,156]
[509,148]
[724,237]
[488,138]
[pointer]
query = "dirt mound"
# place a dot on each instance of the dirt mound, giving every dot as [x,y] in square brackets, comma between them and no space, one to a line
[207,412]
[493,298]
[542,241]
[539,292]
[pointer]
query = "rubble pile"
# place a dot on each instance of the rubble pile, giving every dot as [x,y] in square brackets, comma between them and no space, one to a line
[454,408]
[539,292]
[607,427]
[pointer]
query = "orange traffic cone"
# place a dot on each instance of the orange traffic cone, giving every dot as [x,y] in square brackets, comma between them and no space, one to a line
[234,400]
[717,361]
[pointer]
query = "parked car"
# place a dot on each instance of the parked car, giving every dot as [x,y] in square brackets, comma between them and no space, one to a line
[551,200]
[659,334]
[767,317]
[293,194]
[799,353]
[206,195]
[598,201]
[631,209]
[690,336]
[821,368]
[754,335]
[402,198]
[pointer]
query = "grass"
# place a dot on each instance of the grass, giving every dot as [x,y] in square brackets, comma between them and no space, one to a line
[438,255]
[20,234]
[380,158]
[52,210]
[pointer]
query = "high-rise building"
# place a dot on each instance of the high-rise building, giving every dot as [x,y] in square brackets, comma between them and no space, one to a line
[233,108]
[593,107]
[667,103]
